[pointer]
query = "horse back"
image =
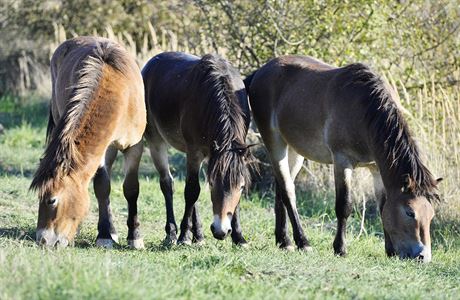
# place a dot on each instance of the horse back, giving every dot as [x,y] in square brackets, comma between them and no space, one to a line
[306,101]
[181,92]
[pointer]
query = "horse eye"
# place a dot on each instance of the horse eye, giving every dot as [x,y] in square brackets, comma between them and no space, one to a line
[410,214]
[52,201]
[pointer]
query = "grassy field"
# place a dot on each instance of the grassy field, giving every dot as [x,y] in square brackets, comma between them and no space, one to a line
[214,270]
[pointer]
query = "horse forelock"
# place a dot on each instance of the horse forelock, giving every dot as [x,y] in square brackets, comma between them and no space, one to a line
[390,132]
[62,155]
[225,122]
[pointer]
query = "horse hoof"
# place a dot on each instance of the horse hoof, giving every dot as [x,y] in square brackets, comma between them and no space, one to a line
[198,239]
[244,245]
[168,241]
[306,249]
[136,244]
[199,242]
[105,243]
[184,242]
[288,248]
[240,242]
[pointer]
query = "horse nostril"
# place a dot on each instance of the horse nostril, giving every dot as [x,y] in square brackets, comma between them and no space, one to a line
[229,231]
[420,257]
[42,241]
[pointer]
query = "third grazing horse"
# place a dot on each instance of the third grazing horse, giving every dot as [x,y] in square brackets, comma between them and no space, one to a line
[347,117]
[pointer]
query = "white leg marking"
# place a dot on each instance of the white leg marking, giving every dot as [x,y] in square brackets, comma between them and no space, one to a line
[114,237]
[347,174]
[136,244]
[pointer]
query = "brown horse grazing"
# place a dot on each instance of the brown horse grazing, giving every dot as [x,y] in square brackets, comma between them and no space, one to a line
[97,107]
[200,107]
[347,117]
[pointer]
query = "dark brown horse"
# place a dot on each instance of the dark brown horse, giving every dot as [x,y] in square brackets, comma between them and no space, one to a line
[347,117]
[97,107]
[200,107]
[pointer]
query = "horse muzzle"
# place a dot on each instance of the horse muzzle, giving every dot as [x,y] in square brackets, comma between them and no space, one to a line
[418,251]
[221,228]
[48,238]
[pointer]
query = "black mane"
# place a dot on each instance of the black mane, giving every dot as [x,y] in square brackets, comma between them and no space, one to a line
[227,121]
[390,132]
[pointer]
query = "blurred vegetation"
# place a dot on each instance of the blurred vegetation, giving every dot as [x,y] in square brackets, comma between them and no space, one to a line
[414,40]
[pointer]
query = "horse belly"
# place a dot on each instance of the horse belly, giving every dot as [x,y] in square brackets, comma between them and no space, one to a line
[302,128]
[311,146]
[171,133]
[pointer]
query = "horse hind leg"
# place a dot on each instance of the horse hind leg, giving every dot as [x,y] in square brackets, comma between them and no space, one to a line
[107,234]
[132,157]
[343,206]
[282,239]
[159,154]
[286,198]
[281,226]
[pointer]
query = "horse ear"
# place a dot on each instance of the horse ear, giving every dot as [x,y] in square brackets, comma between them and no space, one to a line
[407,183]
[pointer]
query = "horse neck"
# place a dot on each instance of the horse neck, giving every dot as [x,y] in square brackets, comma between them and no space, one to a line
[396,159]
[390,182]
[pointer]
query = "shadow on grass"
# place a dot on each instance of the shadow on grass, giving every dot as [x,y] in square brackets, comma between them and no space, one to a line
[16,233]
[14,171]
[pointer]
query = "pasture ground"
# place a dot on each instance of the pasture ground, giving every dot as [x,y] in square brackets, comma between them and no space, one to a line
[214,270]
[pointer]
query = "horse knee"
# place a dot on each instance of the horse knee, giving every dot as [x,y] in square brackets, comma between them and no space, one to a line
[131,187]
[101,184]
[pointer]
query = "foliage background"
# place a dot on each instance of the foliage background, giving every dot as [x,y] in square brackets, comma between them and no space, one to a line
[414,40]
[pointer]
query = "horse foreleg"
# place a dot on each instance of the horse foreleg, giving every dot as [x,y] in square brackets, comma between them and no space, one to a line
[343,207]
[237,234]
[197,226]
[107,234]
[131,193]
[380,195]
[191,193]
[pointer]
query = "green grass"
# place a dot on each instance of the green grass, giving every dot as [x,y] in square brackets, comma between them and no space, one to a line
[216,269]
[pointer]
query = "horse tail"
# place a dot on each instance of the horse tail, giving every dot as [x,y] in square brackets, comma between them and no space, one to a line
[50,127]
[247,81]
